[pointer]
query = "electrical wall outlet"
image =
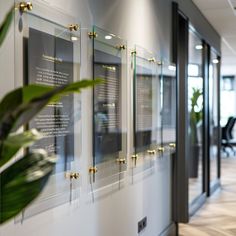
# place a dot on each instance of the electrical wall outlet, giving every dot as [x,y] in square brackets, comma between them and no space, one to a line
[142,224]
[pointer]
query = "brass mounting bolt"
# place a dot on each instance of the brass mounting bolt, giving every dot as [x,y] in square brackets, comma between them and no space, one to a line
[161,149]
[152,59]
[135,156]
[25,6]
[121,160]
[93,170]
[73,27]
[121,47]
[172,145]
[92,35]
[151,152]
[73,175]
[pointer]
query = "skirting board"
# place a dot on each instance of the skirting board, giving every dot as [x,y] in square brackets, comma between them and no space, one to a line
[171,230]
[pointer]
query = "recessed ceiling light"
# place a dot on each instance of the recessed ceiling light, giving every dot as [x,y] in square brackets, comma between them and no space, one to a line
[108,37]
[199,47]
[215,61]
[74,38]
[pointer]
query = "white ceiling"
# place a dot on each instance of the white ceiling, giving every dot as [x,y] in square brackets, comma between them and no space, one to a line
[222,16]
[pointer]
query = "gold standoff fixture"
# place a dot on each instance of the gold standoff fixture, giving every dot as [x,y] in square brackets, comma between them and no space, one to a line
[133,52]
[92,35]
[93,170]
[161,149]
[151,152]
[121,47]
[152,59]
[72,175]
[25,6]
[121,160]
[172,145]
[135,156]
[73,27]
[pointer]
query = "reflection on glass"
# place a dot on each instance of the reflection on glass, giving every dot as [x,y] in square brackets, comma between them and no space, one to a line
[213,116]
[109,54]
[147,128]
[169,105]
[50,62]
[107,108]
[195,113]
[50,55]
[52,59]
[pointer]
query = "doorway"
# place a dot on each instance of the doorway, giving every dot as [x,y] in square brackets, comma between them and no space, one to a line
[197,165]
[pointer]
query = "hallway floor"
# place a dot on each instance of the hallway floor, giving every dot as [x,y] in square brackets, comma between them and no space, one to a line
[218,216]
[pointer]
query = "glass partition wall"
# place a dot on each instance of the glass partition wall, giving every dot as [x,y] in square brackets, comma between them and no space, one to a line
[203,127]
[197,166]
[214,133]
[195,116]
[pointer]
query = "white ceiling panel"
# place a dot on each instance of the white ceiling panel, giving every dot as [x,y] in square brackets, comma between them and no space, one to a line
[211,4]
[230,42]
[227,49]
[222,16]
[223,20]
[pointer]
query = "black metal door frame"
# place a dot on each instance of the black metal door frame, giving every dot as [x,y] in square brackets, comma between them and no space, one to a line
[182,209]
[180,58]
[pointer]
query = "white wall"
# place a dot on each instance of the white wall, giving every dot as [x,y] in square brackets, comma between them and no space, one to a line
[142,22]
[6,54]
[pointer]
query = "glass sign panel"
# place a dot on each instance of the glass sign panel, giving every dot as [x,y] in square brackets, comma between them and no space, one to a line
[50,62]
[109,138]
[169,105]
[107,110]
[147,103]
[49,54]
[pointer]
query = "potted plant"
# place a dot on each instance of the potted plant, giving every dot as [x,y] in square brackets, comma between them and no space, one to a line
[195,124]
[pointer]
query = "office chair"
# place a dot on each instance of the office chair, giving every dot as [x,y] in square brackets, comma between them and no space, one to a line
[227,135]
[231,130]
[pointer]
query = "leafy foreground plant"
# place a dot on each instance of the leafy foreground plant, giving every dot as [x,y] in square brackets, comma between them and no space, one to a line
[4,27]
[22,180]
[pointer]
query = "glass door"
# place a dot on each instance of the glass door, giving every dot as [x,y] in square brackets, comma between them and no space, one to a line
[214,121]
[197,164]
[195,117]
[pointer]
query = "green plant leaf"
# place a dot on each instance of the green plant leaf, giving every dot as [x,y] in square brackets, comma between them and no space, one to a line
[21,105]
[21,95]
[10,102]
[4,27]
[15,142]
[22,182]
[29,110]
